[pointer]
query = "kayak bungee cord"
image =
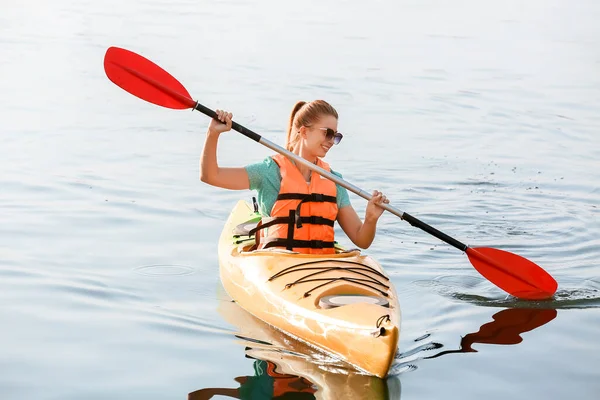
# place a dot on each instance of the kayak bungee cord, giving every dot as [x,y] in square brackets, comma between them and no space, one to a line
[358,281]
[291,268]
[321,270]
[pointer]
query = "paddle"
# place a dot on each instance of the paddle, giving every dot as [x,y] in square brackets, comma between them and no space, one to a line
[146,80]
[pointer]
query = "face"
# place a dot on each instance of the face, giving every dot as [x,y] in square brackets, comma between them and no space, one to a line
[320,136]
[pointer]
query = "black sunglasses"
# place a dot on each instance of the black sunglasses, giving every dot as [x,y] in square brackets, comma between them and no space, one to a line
[331,134]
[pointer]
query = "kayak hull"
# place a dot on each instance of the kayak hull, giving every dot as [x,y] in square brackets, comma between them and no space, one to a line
[289,291]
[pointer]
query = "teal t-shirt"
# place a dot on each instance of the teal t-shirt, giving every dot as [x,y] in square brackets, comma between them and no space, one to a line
[265,178]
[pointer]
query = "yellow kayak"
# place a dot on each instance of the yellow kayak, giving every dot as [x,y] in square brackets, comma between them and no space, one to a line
[344,304]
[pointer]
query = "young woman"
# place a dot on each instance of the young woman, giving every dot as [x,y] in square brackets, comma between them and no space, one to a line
[298,206]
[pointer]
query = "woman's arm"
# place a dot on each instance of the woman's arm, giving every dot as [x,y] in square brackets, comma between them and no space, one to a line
[362,233]
[210,172]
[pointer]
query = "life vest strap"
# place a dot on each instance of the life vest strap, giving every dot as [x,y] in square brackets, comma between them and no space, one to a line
[313,197]
[290,234]
[290,244]
[305,198]
[317,221]
[286,221]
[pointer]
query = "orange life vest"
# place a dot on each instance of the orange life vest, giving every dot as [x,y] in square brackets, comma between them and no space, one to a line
[303,215]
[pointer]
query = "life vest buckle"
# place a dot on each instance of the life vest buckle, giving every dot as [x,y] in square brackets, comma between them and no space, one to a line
[298,220]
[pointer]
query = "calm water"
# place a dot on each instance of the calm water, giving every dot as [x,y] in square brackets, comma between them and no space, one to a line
[481,118]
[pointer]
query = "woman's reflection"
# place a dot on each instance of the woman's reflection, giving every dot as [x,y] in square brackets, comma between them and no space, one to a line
[285,369]
[266,383]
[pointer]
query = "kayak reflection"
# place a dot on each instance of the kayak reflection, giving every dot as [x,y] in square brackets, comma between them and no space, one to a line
[285,368]
[505,329]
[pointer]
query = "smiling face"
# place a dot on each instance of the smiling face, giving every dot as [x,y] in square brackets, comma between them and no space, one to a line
[315,141]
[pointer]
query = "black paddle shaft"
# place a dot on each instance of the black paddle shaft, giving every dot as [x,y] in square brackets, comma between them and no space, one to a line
[405,216]
[234,125]
[431,230]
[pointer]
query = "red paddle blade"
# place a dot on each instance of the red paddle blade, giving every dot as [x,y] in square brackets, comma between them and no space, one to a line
[512,273]
[144,79]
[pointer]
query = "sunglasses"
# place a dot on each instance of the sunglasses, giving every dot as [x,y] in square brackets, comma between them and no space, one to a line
[331,134]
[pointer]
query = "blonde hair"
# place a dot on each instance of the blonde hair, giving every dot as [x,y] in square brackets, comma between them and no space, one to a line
[305,114]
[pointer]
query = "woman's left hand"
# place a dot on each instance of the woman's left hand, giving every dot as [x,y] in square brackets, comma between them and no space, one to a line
[374,210]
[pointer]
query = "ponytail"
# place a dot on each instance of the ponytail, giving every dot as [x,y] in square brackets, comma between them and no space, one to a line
[305,114]
[292,134]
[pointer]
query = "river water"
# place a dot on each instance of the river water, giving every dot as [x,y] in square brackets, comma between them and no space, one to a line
[480,118]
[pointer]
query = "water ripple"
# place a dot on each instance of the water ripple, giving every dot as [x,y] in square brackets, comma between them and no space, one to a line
[572,293]
[164,270]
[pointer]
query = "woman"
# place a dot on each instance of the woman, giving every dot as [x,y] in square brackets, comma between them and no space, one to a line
[298,205]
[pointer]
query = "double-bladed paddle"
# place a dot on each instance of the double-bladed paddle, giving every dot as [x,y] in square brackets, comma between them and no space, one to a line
[141,77]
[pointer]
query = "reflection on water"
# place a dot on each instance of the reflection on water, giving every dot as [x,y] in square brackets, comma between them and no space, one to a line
[505,329]
[267,383]
[285,368]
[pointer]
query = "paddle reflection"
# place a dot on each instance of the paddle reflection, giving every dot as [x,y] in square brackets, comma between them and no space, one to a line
[505,329]
[287,369]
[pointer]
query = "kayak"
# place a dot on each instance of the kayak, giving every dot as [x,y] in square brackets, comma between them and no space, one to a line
[343,304]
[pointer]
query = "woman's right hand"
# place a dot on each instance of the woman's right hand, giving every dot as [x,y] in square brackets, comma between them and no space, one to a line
[223,124]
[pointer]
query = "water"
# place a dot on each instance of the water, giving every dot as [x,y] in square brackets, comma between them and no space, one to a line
[479,118]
